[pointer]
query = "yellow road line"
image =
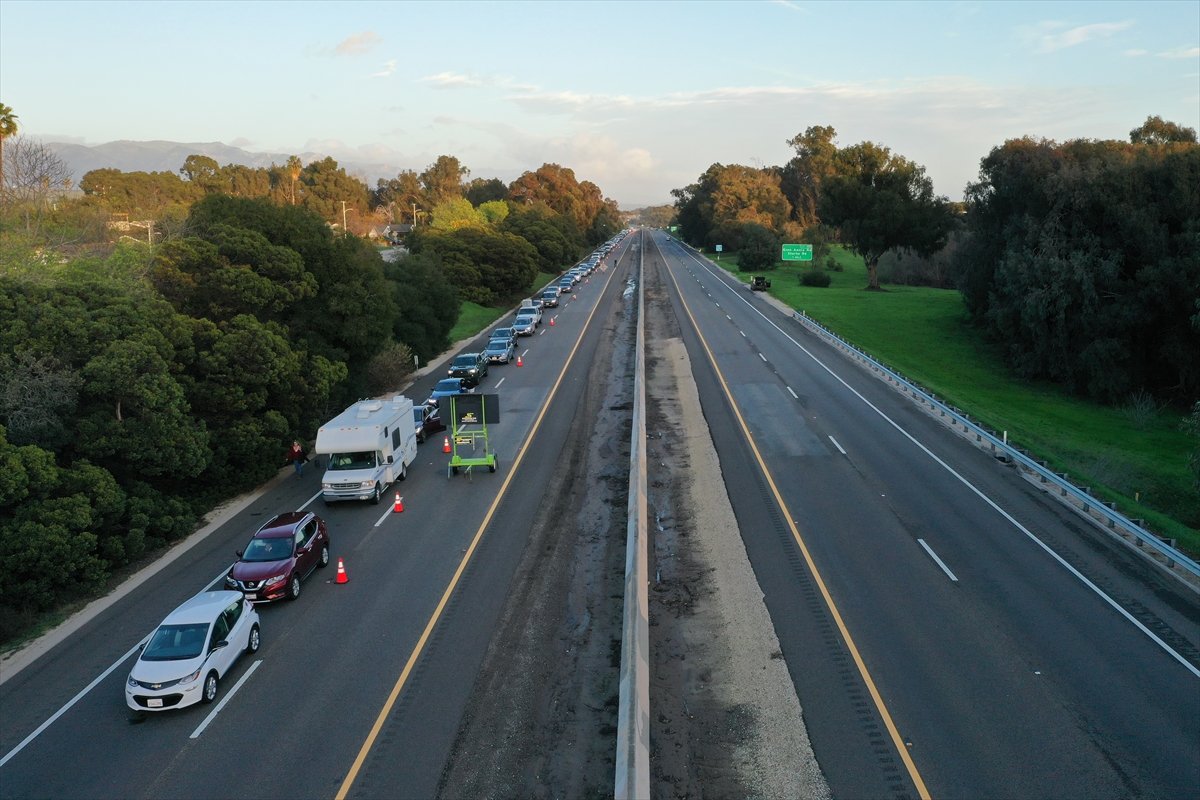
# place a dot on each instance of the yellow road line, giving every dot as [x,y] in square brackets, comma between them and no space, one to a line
[352,775]
[897,740]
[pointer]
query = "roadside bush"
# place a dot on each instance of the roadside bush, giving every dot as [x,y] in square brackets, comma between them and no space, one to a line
[817,278]
[833,265]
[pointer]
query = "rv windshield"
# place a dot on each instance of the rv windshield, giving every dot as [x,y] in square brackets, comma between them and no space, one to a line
[352,461]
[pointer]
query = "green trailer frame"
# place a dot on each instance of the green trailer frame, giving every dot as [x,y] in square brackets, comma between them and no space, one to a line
[470,442]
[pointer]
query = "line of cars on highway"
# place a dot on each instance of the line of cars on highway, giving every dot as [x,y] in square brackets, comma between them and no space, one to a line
[192,650]
[468,369]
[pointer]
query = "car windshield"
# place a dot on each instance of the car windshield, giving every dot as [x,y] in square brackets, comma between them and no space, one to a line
[464,361]
[273,548]
[176,642]
[497,346]
[448,385]
[364,460]
[418,415]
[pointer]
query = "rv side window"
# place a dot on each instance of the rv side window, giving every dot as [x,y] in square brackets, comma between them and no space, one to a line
[395,438]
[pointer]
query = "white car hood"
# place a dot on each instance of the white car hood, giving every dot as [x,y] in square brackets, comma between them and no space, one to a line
[163,671]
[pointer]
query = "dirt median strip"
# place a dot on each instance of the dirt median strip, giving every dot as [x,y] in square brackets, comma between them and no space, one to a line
[725,717]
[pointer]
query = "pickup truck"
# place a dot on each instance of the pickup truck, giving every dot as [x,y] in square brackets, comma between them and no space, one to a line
[759,283]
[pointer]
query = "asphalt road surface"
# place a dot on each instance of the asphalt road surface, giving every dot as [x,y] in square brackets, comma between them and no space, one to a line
[950,630]
[982,665]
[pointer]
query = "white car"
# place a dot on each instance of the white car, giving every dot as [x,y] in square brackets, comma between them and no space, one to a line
[193,648]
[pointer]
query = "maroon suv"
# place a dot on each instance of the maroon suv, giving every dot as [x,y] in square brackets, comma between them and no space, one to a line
[282,553]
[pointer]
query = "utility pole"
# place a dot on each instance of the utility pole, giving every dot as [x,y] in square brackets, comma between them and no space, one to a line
[414,205]
[344,230]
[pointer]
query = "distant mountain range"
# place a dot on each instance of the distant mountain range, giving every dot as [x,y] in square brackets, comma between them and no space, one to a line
[161,156]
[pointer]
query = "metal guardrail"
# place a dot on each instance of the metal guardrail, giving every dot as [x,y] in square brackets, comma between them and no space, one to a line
[632,778]
[1144,538]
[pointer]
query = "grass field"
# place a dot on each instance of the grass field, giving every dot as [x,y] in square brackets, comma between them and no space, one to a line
[472,318]
[1138,460]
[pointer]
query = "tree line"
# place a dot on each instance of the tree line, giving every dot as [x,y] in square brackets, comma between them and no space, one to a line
[1080,259]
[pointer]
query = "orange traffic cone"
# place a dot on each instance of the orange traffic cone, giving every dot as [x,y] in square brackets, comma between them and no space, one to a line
[552,322]
[574,297]
[399,504]
[446,445]
[342,578]
[520,363]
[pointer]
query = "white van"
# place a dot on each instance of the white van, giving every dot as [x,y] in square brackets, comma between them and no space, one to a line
[369,446]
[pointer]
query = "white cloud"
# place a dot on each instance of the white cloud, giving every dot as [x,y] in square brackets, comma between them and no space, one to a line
[1049,36]
[389,67]
[358,44]
[1180,52]
[1136,52]
[453,80]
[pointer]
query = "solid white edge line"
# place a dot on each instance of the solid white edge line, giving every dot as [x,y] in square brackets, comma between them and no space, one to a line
[764,358]
[37,732]
[228,696]
[835,442]
[793,394]
[502,380]
[743,333]
[940,563]
[1045,547]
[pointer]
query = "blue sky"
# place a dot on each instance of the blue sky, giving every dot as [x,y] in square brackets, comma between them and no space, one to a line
[639,98]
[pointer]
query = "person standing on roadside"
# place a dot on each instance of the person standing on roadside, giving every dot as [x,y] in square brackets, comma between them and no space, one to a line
[297,457]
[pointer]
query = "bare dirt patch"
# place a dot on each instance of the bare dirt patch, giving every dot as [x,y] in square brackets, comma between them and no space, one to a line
[725,720]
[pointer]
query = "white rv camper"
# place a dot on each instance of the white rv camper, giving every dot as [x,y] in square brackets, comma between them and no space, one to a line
[369,446]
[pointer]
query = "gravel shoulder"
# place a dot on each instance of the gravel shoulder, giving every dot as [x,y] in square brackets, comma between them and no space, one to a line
[725,718]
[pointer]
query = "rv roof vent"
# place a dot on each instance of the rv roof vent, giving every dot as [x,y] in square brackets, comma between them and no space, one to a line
[366,407]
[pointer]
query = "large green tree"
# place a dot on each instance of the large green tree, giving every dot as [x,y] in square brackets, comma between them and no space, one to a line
[802,177]
[880,201]
[1082,260]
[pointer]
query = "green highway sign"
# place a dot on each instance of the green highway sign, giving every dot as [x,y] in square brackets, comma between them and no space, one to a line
[797,252]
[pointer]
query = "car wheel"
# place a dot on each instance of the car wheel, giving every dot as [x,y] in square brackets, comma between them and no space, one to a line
[403,472]
[420,438]
[375,496]
[254,641]
[294,587]
[324,562]
[210,688]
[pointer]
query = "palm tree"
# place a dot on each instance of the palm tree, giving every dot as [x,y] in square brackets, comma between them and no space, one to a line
[8,126]
[294,167]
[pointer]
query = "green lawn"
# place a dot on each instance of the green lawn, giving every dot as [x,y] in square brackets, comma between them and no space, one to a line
[1140,463]
[472,317]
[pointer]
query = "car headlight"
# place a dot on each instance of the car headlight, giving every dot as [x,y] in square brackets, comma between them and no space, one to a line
[131,682]
[274,579]
[188,679]
[326,485]
[230,582]
[367,484]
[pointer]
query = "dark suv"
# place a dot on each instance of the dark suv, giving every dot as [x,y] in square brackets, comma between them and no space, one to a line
[471,367]
[282,553]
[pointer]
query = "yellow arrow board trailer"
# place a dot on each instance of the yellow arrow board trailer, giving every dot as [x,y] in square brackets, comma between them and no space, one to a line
[369,446]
